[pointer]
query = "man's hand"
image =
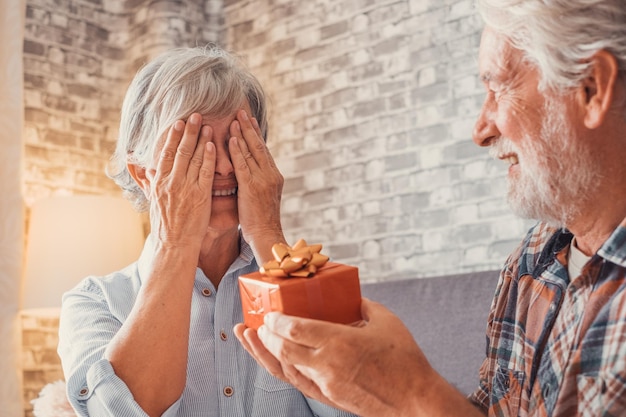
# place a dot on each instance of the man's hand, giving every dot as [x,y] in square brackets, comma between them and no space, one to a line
[372,369]
[366,369]
[260,186]
[180,187]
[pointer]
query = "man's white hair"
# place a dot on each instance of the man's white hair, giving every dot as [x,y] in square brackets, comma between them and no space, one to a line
[559,36]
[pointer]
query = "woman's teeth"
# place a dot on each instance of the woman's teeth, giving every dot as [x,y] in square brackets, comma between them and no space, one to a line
[223,193]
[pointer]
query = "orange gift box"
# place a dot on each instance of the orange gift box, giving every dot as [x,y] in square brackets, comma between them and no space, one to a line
[333,294]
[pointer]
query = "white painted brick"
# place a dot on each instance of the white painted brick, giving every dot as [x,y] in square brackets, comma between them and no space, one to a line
[427,76]
[360,23]
[361,56]
[465,85]
[433,241]
[284,64]
[308,38]
[57,19]
[419,6]
[331,215]
[467,213]
[402,264]
[58,123]
[291,204]
[339,80]
[505,229]
[371,249]
[56,55]
[114,6]
[428,116]
[371,208]
[475,169]
[314,180]
[441,197]
[374,169]
[462,128]
[475,254]
[430,157]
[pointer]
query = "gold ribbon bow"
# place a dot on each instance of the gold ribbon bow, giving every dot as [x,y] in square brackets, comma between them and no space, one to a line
[300,260]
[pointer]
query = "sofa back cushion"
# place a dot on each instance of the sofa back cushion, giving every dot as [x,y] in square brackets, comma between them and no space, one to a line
[447,316]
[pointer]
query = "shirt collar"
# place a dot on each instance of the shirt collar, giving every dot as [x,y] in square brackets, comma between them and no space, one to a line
[144,263]
[614,249]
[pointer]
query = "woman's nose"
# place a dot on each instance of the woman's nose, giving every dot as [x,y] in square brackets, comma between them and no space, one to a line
[223,164]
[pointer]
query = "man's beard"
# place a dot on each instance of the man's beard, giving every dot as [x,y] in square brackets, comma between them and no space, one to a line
[556,170]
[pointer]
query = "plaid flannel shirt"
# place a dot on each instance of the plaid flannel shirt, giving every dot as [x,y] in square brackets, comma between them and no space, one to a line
[557,346]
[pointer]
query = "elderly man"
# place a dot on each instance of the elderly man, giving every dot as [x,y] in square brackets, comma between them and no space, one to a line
[555,75]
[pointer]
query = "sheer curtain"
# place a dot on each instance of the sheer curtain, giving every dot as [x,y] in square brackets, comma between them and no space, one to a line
[12,15]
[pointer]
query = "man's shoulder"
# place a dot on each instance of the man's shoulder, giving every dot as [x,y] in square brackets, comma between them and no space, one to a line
[537,249]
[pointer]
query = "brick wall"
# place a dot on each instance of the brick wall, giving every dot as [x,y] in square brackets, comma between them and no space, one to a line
[373,104]
[40,362]
[79,56]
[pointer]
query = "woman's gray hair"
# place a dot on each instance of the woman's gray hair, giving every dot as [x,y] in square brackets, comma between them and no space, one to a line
[206,80]
[559,36]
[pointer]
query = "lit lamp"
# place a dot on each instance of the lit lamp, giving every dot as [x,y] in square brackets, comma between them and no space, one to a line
[71,237]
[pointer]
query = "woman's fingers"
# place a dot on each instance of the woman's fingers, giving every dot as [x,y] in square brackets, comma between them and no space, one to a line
[187,146]
[239,151]
[207,170]
[252,139]
[195,164]
[168,153]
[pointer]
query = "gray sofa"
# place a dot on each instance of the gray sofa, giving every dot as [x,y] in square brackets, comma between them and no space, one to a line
[447,316]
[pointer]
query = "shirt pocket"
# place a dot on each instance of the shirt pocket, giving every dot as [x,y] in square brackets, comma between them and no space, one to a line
[268,383]
[600,395]
[273,397]
[506,392]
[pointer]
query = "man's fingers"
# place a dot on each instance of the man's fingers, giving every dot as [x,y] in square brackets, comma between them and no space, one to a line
[239,331]
[288,373]
[253,345]
[300,330]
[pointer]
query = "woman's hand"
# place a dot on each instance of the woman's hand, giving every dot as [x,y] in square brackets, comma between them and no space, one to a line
[260,186]
[180,187]
[149,352]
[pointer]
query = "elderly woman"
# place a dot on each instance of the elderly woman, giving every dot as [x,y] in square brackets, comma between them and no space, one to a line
[156,337]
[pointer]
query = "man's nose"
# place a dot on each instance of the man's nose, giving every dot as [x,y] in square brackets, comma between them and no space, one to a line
[485,129]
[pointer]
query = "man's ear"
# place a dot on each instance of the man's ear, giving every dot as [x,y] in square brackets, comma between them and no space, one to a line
[598,88]
[139,175]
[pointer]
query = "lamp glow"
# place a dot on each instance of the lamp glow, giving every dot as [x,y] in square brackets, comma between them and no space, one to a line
[71,237]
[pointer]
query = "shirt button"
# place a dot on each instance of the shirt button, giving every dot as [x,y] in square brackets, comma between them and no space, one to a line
[83,392]
[206,292]
[228,391]
[223,335]
[546,391]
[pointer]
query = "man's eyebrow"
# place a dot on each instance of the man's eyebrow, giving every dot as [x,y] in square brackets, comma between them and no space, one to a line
[486,77]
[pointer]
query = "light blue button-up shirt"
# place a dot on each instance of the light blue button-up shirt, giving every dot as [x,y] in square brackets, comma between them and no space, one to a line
[222,378]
